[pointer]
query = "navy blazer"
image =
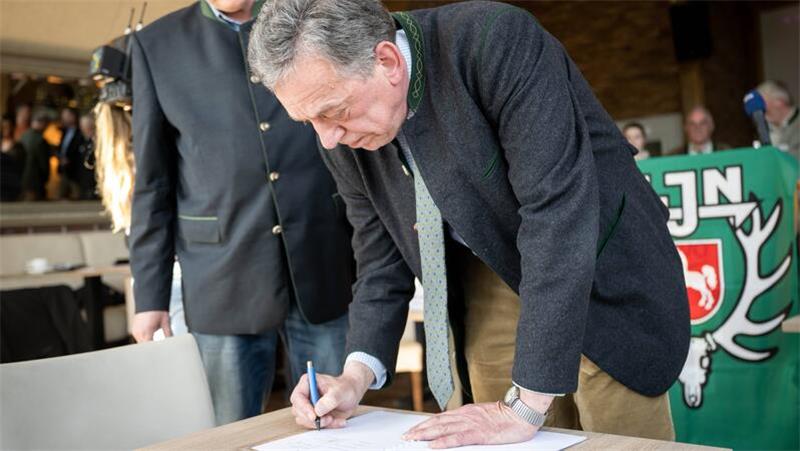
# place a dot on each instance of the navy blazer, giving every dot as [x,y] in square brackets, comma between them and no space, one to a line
[229,183]
[530,170]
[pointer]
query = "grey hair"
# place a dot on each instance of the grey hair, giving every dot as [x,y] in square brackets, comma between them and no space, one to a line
[345,32]
[775,90]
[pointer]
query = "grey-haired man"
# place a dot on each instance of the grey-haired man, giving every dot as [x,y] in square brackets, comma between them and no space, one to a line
[782,116]
[500,181]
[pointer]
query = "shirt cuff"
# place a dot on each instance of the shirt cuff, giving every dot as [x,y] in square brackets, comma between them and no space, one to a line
[537,392]
[378,368]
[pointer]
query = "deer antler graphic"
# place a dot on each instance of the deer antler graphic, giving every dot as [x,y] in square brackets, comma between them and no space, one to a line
[738,322]
[697,368]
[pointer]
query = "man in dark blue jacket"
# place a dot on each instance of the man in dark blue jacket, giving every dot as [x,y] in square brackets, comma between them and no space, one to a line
[471,152]
[234,189]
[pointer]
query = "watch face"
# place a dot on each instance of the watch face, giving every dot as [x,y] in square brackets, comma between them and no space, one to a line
[511,395]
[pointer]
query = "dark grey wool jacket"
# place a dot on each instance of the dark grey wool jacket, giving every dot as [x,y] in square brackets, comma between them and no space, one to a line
[208,142]
[527,167]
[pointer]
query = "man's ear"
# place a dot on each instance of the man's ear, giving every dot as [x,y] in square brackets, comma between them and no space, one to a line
[390,62]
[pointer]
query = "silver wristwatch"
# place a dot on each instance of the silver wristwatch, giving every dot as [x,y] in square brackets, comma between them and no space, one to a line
[531,416]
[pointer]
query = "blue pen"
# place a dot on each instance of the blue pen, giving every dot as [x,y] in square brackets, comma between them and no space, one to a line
[312,387]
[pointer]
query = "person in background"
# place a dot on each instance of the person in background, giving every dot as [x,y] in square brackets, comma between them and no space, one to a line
[114,168]
[70,160]
[782,113]
[637,137]
[698,129]
[23,120]
[37,159]
[86,178]
[12,162]
[229,183]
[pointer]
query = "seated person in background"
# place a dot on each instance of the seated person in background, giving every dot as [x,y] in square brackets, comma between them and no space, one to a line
[784,128]
[637,137]
[37,159]
[699,128]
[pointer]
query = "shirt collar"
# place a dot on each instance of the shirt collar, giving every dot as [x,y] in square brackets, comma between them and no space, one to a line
[212,13]
[401,40]
[708,147]
[232,23]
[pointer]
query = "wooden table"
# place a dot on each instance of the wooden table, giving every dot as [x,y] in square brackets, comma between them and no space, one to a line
[279,424]
[791,325]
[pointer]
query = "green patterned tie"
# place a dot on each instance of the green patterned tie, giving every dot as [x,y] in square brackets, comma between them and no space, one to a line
[430,233]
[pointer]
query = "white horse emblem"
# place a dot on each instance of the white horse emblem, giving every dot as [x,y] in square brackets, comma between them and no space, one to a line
[703,281]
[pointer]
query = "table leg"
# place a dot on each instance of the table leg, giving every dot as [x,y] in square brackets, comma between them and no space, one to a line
[94,311]
[416,390]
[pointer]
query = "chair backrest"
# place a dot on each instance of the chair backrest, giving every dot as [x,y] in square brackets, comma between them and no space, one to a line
[120,398]
[103,248]
[17,250]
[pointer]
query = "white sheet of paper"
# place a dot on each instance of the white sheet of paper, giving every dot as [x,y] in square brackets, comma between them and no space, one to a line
[382,430]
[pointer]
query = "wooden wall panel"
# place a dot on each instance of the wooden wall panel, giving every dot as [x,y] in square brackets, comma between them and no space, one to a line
[625,51]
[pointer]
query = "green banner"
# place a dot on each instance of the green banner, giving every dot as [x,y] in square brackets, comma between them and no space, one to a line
[732,218]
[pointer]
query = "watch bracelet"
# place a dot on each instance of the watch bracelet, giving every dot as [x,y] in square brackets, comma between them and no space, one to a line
[528,414]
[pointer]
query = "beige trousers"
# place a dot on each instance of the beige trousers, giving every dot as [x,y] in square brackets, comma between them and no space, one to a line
[601,404]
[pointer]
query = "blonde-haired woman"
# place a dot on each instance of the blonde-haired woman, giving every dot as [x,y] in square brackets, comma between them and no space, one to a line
[114,169]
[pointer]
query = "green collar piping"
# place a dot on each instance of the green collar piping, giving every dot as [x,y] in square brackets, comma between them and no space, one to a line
[416,86]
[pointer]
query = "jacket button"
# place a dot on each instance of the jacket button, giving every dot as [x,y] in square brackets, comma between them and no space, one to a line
[274,176]
[264,126]
[254,79]
[277,230]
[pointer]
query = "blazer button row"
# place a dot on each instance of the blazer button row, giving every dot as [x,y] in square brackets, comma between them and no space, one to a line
[274,176]
[264,126]
[277,230]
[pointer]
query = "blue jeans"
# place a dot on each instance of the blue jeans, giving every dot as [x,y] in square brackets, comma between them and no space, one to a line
[241,368]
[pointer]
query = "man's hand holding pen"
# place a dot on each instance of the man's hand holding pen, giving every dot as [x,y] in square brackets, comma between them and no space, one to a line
[339,397]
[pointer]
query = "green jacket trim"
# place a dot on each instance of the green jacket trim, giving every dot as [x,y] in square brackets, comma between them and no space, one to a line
[492,166]
[610,233]
[198,218]
[416,86]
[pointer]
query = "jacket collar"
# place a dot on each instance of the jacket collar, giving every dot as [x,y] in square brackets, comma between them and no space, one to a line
[416,86]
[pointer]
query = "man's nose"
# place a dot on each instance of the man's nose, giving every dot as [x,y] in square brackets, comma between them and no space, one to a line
[329,134]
